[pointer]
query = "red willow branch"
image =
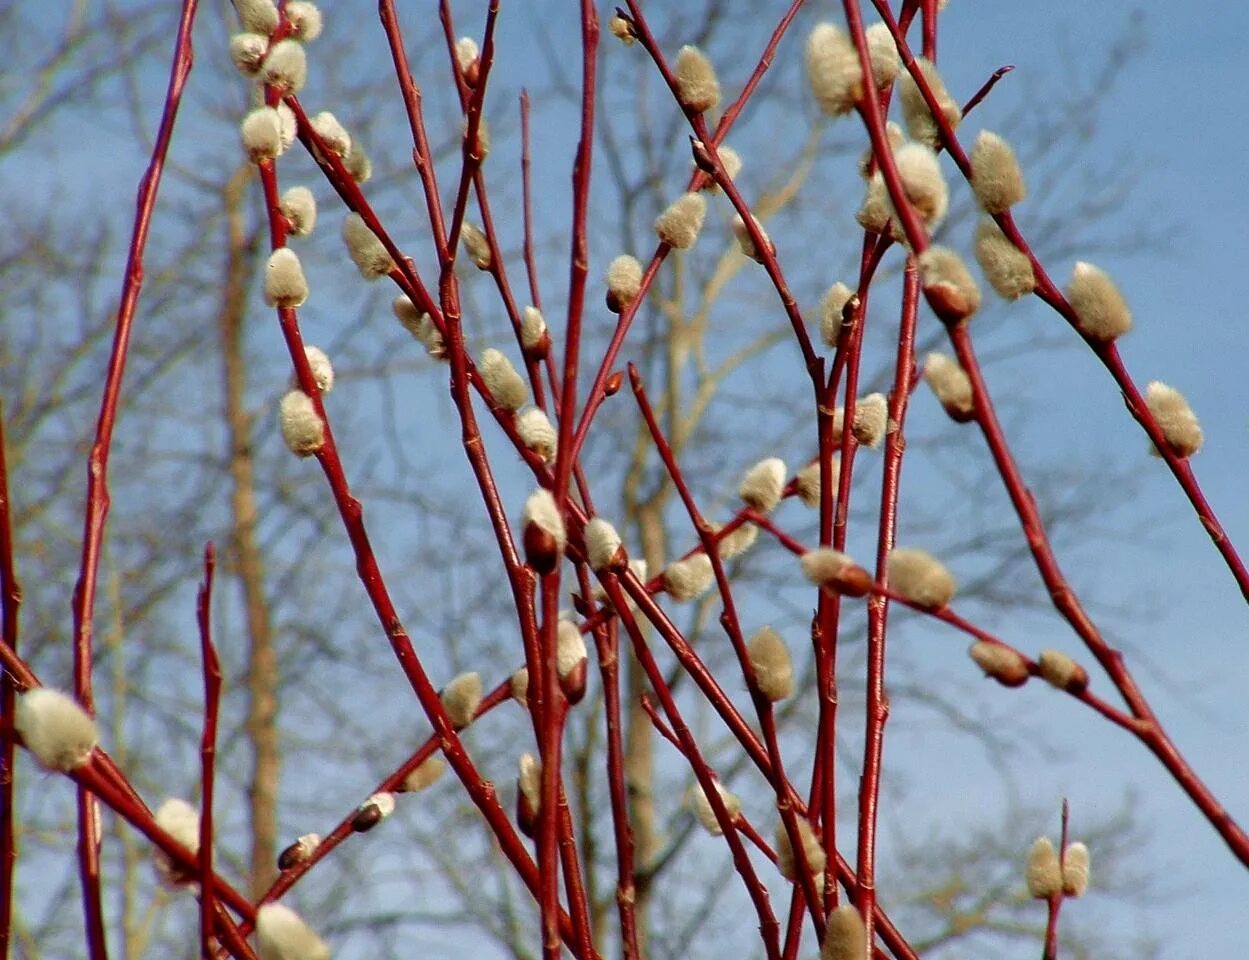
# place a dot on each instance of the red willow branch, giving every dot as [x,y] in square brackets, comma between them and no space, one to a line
[208,751]
[97,505]
[10,606]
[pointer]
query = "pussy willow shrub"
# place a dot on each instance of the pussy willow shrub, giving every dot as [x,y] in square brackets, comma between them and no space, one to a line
[583,599]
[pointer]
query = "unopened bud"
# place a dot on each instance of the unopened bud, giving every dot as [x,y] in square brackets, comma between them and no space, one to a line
[1006,666]
[1179,425]
[1059,670]
[951,291]
[698,88]
[919,119]
[763,484]
[533,333]
[1101,312]
[603,546]
[537,433]
[466,59]
[299,851]
[622,30]
[773,671]
[1005,266]
[1044,873]
[571,660]
[996,178]
[833,69]
[519,686]
[544,536]
[529,794]
[679,224]
[624,282]
[919,577]
[461,698]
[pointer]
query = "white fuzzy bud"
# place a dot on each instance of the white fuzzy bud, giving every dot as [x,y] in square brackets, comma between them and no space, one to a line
[679,224]
[624,282]
[951,385]
[537,433]
[919,577]
[769,660]
[845,937]
[1006,666]
[332,133]
[602,543]
[747,244]
[808,481]
[832,308]
[286,66]
[919,120]
[357,163]
[1075,870]
[428,773]
[519,686]
[730,160]
[506,385]
[1175,418]
[1005,266]
[947,280]
[1044,874]
[305,20]
[530,781]
[996,178]
[876,210]
[257,16]
[420,325]
[922,181]
[883,53]
[285,285]
[181,821]
[59,732]
[466,53]
[812,850]
[322,369]
[570,650]
[702,807]
[1059,670]
[288,124]
[833,69]
[689,578]
[542,512]
[366,250]
[698,88]
[461,698]
[763,484]
[261,132]
[300,851]
[824,565]
[476,246]
[622,30]
[893,136]
[871,420]
[281,934]
[737,542]
[299,207]
[1101,312]
[247,50]
[302,429]
[532,327]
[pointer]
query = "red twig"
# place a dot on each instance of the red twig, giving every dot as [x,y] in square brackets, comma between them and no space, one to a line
[10,606]
[208,751]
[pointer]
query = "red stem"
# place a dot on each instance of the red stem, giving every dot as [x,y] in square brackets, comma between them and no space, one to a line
[10,606]
[208,752]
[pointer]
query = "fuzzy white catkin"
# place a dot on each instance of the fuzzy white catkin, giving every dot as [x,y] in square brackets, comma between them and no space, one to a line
[624,282]
[941,267]
[622,31]
[181,821]
[832,306]
[845,937]
[871,420]
[288,124]
[996,179]
[689,578]
[1101,311]
[920,577]
[332,133]
[532,327]
[763,484]
[59,732]
[258,16]
[812,849]
[476,246]
[261,132]
[542,511]
[461,698]
[1175,417]
[922,180]
[746,243]
[1005,266]
[286,66]
[773,669]
[359,166]
[703,811]
[824,564]
[537,433]
[1075,870]
[999,662]
[420,326]
[601,543]
[285,285]
[322,369]
[466,53]
[883,53]
[876,210]
[807,482]
[305,20]
[247,50]
[698,88]
[679,225]
[366,250]
[302,429]
[919,120]
[506,385]
[833,69]
[281,934]
[1059,670]
[425,776]
[570,647]
[519,686]
[737,542]
[530,781]
[1044,874]
[893,136]
[299,207]
[950,383]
